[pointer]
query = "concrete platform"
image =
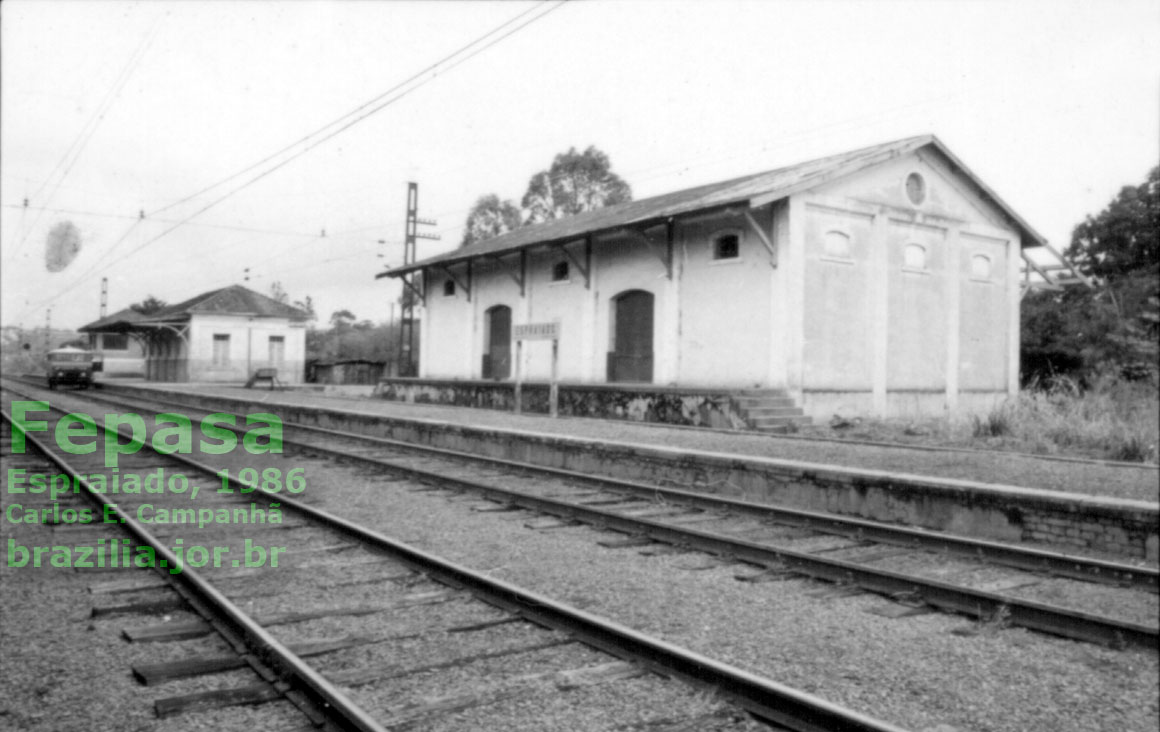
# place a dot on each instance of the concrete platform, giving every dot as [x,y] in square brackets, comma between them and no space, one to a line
[1108,508]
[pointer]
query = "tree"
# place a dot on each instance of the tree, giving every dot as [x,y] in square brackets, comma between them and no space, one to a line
[148,306]
[489,218]
[1114,325]
[279,294]
[307,306]
[575,183]
[341,319]
[1125,237]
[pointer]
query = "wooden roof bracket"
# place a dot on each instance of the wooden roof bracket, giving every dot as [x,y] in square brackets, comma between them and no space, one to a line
[1032,265]
[762,237]
[586,267]
[466,287]
[519,277]
[666,256]
[408,282]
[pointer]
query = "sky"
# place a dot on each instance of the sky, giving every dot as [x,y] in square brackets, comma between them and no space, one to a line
[222,122]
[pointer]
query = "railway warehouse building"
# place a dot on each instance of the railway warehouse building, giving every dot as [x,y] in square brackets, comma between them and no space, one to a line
[223,335]
[881,281]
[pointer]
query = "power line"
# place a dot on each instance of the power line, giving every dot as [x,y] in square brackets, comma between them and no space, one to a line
[359,109]
[379,105]
[345,127]
[137,218]
[73,152]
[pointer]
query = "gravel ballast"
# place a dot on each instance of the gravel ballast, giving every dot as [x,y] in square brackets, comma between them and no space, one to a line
[918,672]
[925,673]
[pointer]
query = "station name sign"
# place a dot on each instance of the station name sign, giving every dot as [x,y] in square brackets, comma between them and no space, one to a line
[536,332]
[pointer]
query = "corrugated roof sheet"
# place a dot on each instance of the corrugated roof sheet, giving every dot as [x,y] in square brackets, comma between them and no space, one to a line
[780,183]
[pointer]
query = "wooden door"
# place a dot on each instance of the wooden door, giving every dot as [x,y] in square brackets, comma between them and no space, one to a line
[631,359]
[497,361]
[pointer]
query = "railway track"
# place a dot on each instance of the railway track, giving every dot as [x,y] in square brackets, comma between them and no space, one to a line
[396,606]
[779,542]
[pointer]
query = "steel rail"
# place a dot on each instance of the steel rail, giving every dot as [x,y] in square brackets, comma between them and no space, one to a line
[1025,558]
[767,699]
[974,603]
[275,663]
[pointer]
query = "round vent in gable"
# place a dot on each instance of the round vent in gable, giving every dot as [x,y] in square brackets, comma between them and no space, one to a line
[916,188]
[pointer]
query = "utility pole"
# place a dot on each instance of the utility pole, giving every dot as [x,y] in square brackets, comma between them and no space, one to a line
[104,296]
[48,330]
[408,363]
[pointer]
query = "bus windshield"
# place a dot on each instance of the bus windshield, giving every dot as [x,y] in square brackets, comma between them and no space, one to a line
[70,357]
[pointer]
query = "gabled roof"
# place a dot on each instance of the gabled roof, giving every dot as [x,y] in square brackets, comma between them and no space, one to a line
[757,189]
[232,300]
[115,322]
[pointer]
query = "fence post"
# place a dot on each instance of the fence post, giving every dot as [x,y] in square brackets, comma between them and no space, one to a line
[519,376]
[554,389]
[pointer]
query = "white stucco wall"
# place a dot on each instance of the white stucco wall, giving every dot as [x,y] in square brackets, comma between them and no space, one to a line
[128,361]
[249,347]
[726,328]
[838,310]
[859,330]
[916,339]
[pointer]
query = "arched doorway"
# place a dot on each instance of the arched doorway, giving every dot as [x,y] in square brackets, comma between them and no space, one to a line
[497,343]
[631,358]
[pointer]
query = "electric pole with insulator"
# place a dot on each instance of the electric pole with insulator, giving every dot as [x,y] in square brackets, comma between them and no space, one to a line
[408,365]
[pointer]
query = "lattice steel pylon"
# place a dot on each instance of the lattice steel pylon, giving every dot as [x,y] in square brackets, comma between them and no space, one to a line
[408,363]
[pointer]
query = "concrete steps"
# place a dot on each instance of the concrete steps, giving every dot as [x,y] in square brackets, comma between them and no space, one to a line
[769,410]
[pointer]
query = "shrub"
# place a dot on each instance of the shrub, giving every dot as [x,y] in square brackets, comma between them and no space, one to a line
[996,424]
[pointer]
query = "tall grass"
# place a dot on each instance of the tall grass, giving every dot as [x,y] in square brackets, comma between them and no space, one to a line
[1112,419]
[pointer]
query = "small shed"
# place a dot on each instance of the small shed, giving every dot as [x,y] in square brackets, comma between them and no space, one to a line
[347,371]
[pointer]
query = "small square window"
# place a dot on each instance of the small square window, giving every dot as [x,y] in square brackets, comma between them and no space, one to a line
[727,247]
[560,272]
[448,288]
[115,341]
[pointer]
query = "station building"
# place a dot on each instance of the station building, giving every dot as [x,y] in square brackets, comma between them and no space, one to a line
[121,355]
[223,335]
[883,281]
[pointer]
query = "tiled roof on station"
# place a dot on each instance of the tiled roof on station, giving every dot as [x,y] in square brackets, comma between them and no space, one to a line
[232,300]
[768,186]
[116,321]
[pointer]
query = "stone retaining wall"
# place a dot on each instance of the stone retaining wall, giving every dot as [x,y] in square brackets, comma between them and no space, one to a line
[688,407]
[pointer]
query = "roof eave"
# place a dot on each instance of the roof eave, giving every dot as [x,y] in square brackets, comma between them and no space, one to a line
[646,223]
[1029,236]
[1026,231]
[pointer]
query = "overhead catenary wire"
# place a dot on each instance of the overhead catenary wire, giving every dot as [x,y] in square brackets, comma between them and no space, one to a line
[73,153]
[380,102]
[137,218]
[370,103]
[348,125]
